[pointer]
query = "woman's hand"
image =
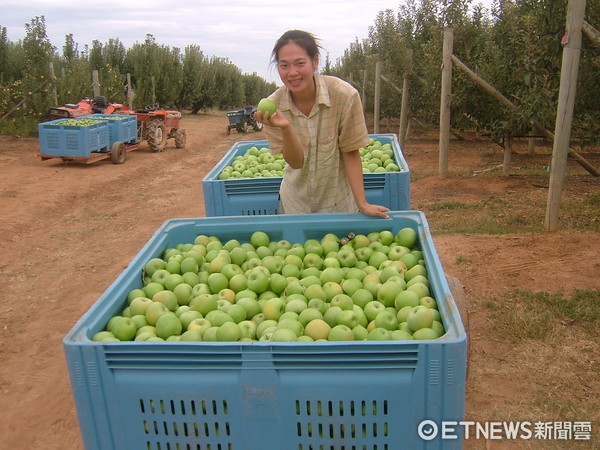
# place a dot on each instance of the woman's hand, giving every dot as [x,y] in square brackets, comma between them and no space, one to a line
[374,210]
[277,120]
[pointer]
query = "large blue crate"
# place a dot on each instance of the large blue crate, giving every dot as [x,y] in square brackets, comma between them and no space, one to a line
[266,395]
[72,140]
[260,196]
[123,129]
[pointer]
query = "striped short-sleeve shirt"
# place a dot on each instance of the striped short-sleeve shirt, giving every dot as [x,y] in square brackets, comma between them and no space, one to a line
[336,124]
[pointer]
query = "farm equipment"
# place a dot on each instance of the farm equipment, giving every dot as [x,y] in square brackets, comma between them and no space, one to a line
[154,123]
[87,106]
[240,119]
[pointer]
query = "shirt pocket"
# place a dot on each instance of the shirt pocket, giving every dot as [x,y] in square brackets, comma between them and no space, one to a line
[327,154]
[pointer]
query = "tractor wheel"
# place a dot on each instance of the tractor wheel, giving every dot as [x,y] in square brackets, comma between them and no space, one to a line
[157,135]
[180,138]
[242,128]
[118,153]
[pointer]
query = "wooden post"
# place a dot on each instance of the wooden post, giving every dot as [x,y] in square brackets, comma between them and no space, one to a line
[402,131]
[95,83]
[507,157]
[153,89]
[531,142]
[564,114]
[377,98]
[591,33]
[364,91]
[445,101]
[130,94]
[53,93]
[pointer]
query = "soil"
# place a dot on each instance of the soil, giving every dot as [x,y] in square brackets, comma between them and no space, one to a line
[68,230]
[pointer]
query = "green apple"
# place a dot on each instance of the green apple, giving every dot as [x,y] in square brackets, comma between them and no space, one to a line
[199,324]
[361,297]
[204,303]
[419,317]
[191,336]
[284,335]
[265,325]
[124,329]
[420,289]
[425,334]
[377,258]
[351,285]
[229,332]
[274,308]
[406,298]
[372,309]
[267,105]
[238,282]
[168,324]
[330,315]
[186,317]
[388,291]
[360,333]
[152,288]
[247,329]
[401,335]
[402,313]
[379,334]
[343,301]
[318,304]
[154,311]
[258,281]
[291,324]
[406,237]
[183,292]
[331,289]
[153,265]
[217,281]
[347,317]
[317,329]
[386,319]
[135,293]
[438,327]
[309,314]
[340,333]
[167,298]
[139,305]
[428,301]
[251,306]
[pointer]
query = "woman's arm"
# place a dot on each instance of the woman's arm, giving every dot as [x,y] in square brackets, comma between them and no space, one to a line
[353,166]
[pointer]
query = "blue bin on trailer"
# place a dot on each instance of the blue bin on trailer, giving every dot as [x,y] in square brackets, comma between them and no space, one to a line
[266,395]
[59,139]
[121,127]
[260,196]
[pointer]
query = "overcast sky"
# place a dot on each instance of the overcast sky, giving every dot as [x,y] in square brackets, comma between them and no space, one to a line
[242,31]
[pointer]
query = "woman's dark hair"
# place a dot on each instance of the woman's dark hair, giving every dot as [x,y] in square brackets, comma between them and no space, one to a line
[303,39]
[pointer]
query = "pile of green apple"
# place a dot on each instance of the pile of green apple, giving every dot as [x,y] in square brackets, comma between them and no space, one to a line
[361,287]
[76,122]
[377,157]
[254,163]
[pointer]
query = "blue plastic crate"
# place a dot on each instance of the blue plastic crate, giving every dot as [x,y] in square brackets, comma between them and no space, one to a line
[265,395]
[123,129]
[72,140]
[260,196]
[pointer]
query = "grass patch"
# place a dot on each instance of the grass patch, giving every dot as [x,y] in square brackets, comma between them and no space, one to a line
[523,315]
[497,216]
[517,214]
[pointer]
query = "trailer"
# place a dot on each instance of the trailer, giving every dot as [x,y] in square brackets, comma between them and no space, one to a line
[89,139]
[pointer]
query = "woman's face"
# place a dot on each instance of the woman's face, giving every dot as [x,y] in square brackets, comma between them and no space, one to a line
[296,68]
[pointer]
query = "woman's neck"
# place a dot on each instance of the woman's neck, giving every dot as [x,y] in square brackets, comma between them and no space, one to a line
[305,99]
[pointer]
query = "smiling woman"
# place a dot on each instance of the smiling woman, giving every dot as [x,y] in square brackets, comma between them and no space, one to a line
[318,128]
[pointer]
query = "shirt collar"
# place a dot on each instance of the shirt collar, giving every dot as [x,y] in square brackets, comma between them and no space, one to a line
[322,95]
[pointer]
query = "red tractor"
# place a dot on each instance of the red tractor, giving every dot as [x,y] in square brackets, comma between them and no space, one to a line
[87,106]
[155,124]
